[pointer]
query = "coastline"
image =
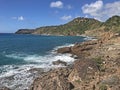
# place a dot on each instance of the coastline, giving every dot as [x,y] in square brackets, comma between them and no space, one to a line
[23,77]
[94,68]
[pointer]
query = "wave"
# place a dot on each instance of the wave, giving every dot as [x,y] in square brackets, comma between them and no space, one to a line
[42,60]
[19,77]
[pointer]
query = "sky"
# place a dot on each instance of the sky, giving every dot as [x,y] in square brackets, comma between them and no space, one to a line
[17,14]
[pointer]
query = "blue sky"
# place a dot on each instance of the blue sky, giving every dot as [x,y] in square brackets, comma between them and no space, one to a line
[16,14]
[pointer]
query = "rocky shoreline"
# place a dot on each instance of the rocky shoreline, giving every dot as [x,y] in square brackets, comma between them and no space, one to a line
[96,68]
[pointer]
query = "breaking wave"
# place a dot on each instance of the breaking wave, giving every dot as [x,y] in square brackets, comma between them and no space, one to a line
[18,77]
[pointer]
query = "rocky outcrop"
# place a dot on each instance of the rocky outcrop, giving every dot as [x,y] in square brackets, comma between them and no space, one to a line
[84,70]
[85,67]
[79,49]
[64,50]
[53,80]
[59,62]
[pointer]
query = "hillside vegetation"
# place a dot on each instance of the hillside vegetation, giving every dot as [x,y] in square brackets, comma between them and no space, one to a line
[77,26]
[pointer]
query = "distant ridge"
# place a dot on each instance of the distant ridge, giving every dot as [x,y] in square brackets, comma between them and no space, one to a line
[77,26]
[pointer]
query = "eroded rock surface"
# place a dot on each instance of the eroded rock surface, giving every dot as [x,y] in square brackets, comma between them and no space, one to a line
[59,62]
[96,68]
[53,80]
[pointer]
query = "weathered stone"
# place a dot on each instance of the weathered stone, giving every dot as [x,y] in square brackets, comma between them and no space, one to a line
[53,80]
[113,80]
[64,50]
[84,71]
[59,62]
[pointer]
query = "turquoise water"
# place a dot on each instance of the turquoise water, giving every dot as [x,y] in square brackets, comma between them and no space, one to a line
[20,53]
[13,48]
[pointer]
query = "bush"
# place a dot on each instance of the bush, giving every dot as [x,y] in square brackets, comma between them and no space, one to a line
[99,62]
[103,87]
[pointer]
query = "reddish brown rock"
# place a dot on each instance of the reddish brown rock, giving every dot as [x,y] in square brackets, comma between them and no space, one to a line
[80,49]
[85,68]
[59,62]
[53,80]
[64,50]
[83,73]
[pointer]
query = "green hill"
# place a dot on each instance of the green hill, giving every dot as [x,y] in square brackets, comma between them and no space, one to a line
[113,24]
[77,26]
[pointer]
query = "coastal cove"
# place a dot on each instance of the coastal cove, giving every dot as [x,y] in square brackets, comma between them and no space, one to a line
[59,44]
[21,55]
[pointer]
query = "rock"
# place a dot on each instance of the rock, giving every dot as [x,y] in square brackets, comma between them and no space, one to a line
[80,49]
[107,36]
[90,42]
[4,88]
[84,69]
[37,71]
[85,66]
[112,80]
[58,62]
[53,80]
[64,50]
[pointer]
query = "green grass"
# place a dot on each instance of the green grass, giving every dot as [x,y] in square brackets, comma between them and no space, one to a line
[99,62]
[103,87]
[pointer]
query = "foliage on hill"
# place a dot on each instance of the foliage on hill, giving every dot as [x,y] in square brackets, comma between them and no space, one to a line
[25,31]
[113,24]
[77,26]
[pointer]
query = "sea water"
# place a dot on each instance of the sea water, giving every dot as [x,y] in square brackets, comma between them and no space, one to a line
[20,53]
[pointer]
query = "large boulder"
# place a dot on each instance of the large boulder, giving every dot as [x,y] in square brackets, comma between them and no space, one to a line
[59,62]
[64,50]
[53,80]
[82,48]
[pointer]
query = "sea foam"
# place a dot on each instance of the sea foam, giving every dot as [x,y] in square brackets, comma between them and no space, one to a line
[19,77]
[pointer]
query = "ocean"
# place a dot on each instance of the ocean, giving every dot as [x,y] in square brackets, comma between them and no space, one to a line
[21,53]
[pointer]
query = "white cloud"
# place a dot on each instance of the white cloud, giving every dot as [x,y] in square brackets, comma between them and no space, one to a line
[66,17]
[20,18]
[92,8]
[57,4]
[112,8]
[102,11]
